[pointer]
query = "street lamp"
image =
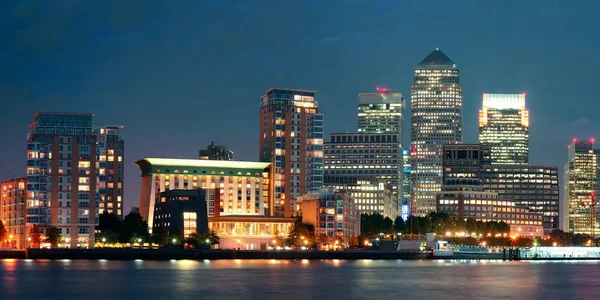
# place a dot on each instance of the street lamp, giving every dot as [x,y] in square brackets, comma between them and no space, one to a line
[208,241]
[174,240]
[139,240]
[29,242]
[103,240]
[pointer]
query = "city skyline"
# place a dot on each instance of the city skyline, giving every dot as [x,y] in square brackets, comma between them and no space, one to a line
[141,95]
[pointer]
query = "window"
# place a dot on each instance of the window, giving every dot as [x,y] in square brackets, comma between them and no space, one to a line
[189,223]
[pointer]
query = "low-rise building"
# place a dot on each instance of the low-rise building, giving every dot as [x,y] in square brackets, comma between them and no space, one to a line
[250,232]
[12,212]
[487,206]
[331,212]
[181,211]
[244,188]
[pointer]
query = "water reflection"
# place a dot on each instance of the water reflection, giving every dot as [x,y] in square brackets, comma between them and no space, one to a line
[295,279]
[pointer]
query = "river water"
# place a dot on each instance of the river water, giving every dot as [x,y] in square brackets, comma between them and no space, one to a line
[263,279]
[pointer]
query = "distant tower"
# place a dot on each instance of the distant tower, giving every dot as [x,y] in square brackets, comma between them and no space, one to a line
[291,138]
[579,214]
[504,125]
[215,152]
[436,117]
[381,112]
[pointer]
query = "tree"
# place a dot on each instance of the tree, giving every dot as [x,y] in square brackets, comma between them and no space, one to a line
[353,242]
[108,221]
[323,239]
[3,232]
[471,226]
[125,233]
[108,236]
[53,236]
[139,227]
[399,225]
[424,225]
[193,240]
[34,234]
[301,234]
[160,236]
[387,226]
[503,227]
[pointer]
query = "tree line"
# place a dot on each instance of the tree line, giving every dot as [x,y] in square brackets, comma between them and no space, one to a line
[439,223]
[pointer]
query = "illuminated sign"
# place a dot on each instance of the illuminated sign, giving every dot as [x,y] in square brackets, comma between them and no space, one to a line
[405,212]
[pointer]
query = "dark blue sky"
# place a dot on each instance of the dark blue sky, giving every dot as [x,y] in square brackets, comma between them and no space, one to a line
[181,75]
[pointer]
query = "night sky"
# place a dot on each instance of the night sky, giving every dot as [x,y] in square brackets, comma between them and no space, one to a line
[181,75]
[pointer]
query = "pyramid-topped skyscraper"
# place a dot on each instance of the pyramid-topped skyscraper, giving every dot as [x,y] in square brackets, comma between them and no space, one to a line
[436,119]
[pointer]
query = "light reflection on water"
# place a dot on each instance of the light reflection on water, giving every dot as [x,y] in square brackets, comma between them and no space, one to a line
[296,279]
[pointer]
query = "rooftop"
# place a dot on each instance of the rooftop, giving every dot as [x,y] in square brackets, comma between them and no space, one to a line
[435,59]
[200,166]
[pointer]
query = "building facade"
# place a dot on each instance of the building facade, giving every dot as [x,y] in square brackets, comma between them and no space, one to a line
[181,212]
[375,160]
[250,232]
[291,139]
[216,152]
[469,166]
[488,206]
[12,212]
[244,188]
[331,212]
[381,112]
[504,125]
[62,176]
[535,187]
[580,185]
[369,194]
[110,171]
[436,118]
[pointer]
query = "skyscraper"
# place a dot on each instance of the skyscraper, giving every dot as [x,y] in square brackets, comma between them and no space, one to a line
[110,169]
[504,125]
[579,214]
[436,117]
[381,112]
[61,176]
[291,138]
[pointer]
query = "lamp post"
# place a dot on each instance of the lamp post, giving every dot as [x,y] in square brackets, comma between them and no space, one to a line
[28,242]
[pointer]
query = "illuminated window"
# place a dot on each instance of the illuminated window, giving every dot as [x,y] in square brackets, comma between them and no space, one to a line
[189,223]
[84,164]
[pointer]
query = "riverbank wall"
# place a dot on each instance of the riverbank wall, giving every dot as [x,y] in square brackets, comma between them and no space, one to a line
[168,254]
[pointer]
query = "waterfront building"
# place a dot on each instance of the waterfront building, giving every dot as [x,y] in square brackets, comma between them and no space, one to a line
[181,212]
[216,152]
[110,171]
[331,212]
[291,139]
[436,118]
[62,176]
[504,125]
[488,206]
[245,188]
[366,157]
[580,185]
[12,212]
[369,194]
[536,187]
[381,112]
[250,232]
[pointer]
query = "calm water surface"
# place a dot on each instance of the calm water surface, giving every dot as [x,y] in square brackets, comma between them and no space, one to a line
[257,279]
